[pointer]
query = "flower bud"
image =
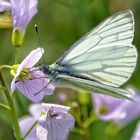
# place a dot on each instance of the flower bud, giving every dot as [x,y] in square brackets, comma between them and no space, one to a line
[18,37]
[14,69]
[83,98]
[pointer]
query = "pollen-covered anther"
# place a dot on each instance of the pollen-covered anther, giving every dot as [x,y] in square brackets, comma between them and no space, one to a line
[26,74]
[43,113]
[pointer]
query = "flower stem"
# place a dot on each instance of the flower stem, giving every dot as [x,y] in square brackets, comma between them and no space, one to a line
[112,130]
[30,129]
[17,55]
[12,112]
[5,67]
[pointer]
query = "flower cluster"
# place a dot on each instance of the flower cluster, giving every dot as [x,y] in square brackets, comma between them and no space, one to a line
[53,121]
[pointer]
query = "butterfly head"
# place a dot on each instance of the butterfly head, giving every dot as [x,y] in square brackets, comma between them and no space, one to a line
[44,68]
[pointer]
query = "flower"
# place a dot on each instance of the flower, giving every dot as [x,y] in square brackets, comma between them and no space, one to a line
[54,122]
[30,81]
[22,11]
[136,135]
[106,106]
[118,110]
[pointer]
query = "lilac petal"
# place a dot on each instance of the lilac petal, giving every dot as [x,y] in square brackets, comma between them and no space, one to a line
[30,60]
[29,88]
[13,85]
[22,12]
[5,6]
[36,110]
[108,102]
[131,111]
[59,108]
[36,88]
[25,123]
[57,126]
[41,133]
[136,135]
[49,89]
[46,86]
[59,129]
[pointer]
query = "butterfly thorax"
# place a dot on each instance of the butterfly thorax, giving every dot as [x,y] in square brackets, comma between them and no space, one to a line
[48,70]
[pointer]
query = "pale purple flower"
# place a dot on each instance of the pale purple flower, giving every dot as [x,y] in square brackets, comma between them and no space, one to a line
[106,106]
[54,122]
[22,11]
[136,135]
[30,81]
[118,110]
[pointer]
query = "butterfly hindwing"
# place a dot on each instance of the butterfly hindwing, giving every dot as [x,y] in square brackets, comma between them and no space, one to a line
[96,87]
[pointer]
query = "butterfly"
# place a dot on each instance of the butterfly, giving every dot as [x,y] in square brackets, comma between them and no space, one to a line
[101,61]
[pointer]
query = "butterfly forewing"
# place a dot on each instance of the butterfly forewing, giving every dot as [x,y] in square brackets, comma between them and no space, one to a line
[105,54]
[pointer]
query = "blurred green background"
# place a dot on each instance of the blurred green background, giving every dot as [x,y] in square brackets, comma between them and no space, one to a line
[60,24]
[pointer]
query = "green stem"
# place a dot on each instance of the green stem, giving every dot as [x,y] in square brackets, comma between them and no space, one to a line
[12,112]
[86,135]
[112,130]
[89,121]
[5,67]
[16,54]
[30,129]
[78,130]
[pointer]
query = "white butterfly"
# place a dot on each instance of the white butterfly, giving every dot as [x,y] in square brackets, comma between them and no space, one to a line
[101,61]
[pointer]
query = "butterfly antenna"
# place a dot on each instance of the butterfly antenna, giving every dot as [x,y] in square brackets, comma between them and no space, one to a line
[40,45]
[39,40]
